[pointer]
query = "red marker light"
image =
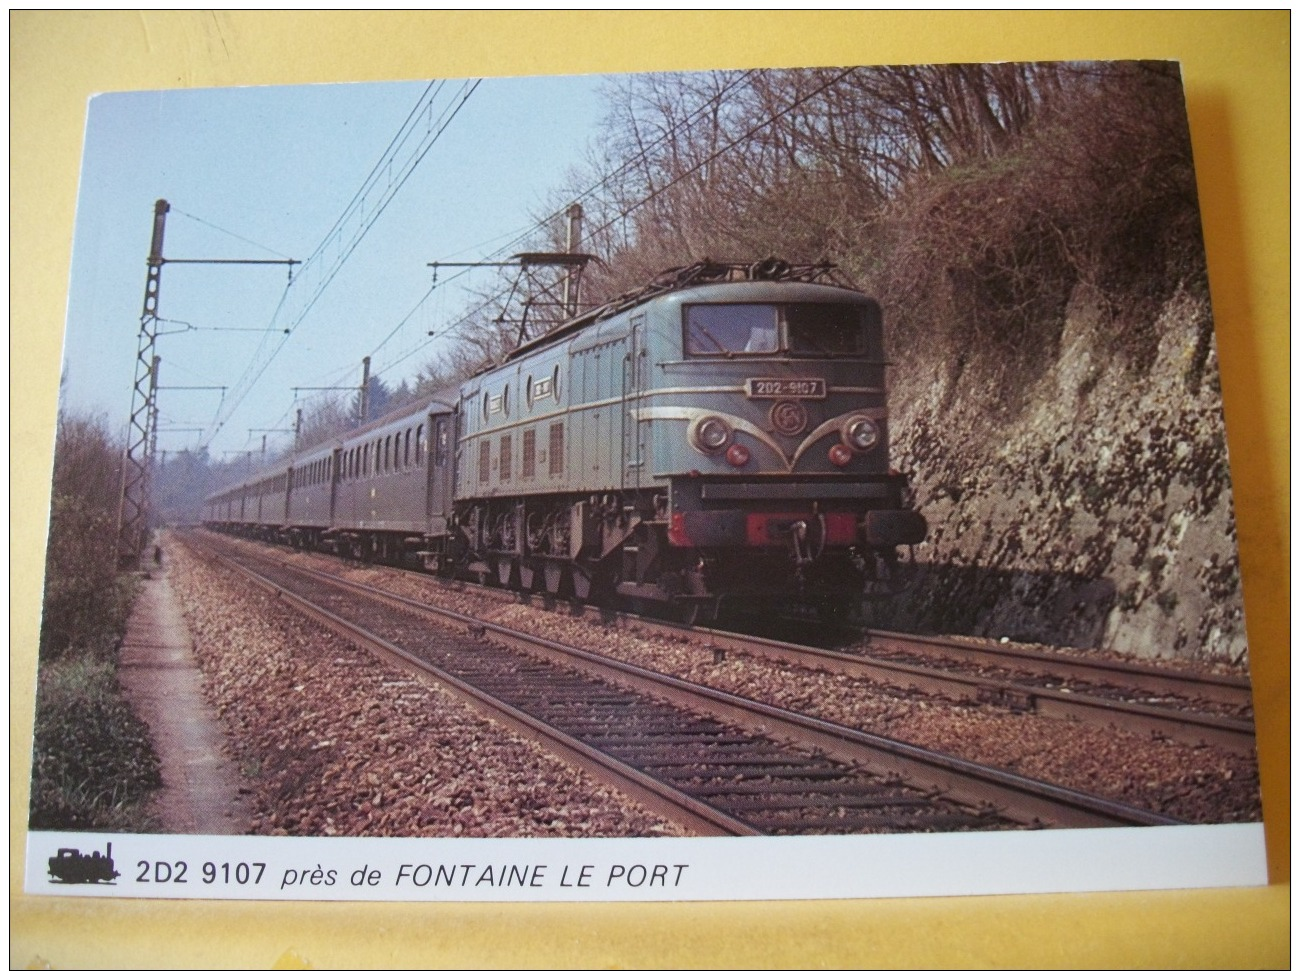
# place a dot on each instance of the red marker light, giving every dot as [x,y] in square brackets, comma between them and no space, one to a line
[737,455]
[840,455]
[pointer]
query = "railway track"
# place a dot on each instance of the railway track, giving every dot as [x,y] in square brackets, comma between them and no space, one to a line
[715,762]
[1102,692]
[1162,684]
[1198,708]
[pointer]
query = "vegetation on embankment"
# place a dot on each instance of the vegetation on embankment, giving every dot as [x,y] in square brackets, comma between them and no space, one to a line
[1033,233]
[92,764]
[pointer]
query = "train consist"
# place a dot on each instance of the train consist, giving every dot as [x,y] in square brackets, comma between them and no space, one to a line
[719,433]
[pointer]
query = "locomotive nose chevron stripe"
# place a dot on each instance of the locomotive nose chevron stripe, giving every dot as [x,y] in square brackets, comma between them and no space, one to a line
[678,413]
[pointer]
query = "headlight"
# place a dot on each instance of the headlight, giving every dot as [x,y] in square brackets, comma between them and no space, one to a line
[710,434]
[861,433]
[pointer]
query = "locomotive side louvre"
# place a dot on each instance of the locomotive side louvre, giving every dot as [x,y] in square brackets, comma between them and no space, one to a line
[549,458]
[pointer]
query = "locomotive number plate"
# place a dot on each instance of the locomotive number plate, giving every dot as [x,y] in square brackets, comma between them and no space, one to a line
[785,388]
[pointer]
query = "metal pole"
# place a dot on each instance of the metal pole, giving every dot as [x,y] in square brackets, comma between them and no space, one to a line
[573,242]
[365,389]
[133,509]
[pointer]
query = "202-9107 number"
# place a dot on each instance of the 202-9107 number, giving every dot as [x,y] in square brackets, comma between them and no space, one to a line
[785,388]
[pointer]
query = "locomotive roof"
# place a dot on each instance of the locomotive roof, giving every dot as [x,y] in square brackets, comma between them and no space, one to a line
[681,278]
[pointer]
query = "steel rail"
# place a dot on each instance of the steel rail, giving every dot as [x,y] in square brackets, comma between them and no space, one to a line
[699,817]
[1026,800]
[1231,689]
[1234,734]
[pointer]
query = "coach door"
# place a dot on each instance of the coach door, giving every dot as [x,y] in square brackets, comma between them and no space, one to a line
[441,472]
[633,379]
[336,473]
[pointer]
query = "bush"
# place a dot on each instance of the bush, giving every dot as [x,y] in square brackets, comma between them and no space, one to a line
[86,601]
[92,763]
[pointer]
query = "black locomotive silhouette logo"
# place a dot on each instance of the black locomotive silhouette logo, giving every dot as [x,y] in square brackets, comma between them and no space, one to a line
[73,866]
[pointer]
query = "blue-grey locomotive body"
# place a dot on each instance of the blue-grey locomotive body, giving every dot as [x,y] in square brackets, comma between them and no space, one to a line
[722,432]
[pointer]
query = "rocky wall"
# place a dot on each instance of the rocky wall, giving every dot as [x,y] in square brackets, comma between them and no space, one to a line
[1086,504]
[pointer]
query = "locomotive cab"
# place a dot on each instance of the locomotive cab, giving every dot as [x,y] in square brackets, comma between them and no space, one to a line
[762,434]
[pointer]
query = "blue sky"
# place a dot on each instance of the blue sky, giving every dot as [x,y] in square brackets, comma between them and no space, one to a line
[277,166]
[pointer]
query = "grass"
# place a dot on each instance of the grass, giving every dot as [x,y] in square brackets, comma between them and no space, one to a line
[93,767]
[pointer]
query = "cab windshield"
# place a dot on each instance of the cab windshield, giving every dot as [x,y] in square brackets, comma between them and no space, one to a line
[802,330]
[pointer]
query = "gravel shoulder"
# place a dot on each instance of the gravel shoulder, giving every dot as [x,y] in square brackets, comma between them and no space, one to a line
[333,742]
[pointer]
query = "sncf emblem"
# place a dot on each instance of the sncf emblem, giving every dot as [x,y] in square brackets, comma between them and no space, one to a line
[788,417]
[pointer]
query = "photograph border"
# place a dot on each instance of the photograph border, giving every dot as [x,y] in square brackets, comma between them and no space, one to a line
[1235,69]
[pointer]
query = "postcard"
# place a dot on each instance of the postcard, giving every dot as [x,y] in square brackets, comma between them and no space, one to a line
[519,489]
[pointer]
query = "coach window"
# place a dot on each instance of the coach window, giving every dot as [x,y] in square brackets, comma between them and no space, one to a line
[440,443]
[419,441]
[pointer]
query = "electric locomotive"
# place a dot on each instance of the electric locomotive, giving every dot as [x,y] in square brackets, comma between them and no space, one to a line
[721,433]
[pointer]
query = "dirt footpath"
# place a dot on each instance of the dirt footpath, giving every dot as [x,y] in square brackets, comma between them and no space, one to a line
[201,790]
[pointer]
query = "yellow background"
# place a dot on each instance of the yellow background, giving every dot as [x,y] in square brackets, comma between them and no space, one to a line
[1235,70]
